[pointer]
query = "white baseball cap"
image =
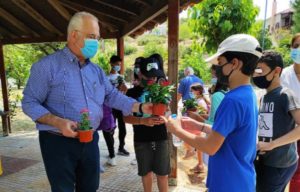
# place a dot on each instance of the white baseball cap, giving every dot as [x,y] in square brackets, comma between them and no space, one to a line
[238,43]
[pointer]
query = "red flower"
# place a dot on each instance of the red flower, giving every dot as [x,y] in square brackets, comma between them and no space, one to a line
[84,110]
[150,82]
[165,83]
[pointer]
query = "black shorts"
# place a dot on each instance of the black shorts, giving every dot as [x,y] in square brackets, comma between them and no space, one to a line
[152,157]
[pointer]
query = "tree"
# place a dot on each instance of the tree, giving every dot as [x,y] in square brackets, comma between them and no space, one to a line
[257,31]
[18,60]
[194,59]
[215,20]
[296,17]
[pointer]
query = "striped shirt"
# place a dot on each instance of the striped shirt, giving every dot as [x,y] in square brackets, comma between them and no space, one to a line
[60,86]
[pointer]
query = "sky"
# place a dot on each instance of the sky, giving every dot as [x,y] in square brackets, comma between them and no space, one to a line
[281,6]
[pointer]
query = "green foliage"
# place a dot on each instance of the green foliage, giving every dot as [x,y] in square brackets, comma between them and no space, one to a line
[145,39]
[189,104]
[215,20]
[129,49]
[296,17]
[257,31]
[152,48]
[85,123]
[194,59]
[18,60]
[284,41]
[13,100]
[160,93]
[185,31]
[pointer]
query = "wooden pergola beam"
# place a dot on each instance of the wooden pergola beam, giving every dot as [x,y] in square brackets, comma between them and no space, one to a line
[60,9]
[4,32]
[5,118]
[173,40]
[120,52]
[96,8]
[14,21]
[145,17]
[143,2]
[37,16]
[104,21]
[118,5]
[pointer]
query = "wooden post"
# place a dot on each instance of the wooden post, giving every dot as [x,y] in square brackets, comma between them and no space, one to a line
[173,31]
[5,117]
[120,51]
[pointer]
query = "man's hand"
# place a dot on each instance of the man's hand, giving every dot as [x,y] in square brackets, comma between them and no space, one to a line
[152,121]
[190,124]
[265,146]
[147,108]
[123,88]
[67,128]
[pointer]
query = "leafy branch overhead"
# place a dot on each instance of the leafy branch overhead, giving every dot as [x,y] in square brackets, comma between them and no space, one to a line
[215,20]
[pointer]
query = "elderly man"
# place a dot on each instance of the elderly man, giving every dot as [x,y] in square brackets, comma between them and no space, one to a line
[59,86]
[185,84]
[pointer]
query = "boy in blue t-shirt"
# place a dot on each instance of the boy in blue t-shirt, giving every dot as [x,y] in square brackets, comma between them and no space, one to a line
[231,142]
[279,112]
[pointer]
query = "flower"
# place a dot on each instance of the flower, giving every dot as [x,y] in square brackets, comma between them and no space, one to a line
[160,93]
[189,105]
[84,110]
[150,82]
[165,83]
[85,123]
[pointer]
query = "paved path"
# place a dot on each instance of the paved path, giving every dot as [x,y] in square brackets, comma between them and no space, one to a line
[24,170]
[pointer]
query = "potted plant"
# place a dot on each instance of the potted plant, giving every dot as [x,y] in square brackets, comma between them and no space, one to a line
[160,96]
[189,105]
[85,132]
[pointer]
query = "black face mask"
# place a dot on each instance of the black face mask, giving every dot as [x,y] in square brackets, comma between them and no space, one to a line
[224,79]
[262,82]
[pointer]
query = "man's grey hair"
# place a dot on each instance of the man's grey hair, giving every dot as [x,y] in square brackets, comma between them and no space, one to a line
[189,71]
[76,21]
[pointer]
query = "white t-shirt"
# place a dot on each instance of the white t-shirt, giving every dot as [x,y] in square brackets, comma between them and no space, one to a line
[289,79]
[113,79]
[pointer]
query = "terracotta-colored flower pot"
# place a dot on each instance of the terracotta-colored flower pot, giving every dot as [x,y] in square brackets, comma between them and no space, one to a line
[85,136]
[192,109]
[159,109]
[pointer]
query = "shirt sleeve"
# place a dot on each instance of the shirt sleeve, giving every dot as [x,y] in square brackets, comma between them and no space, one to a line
[181,87]
[216,100]
[291,102]
[227,117]
[36,90]
[115,99]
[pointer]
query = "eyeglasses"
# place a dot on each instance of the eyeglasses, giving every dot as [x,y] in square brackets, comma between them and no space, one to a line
[91,36]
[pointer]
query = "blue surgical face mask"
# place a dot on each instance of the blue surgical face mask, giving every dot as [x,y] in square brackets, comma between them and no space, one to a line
[90,48]
[192,95]
[214,81]
[136,70]
[295,55]
[117,68]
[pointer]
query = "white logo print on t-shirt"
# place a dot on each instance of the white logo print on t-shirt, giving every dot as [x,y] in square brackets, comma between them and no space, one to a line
[265,120]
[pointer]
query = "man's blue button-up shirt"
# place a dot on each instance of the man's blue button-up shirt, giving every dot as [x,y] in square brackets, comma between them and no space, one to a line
[60,86]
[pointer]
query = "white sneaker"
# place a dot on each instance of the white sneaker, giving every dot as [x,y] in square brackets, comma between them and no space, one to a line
[133,162]
[111,161]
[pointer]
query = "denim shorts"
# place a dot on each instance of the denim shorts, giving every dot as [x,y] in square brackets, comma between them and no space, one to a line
[152,157]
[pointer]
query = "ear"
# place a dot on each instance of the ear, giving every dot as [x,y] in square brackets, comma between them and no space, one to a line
[278,70]
[236,63]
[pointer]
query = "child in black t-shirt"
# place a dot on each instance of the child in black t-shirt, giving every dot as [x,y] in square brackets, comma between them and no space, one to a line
[150,134]
[277,133]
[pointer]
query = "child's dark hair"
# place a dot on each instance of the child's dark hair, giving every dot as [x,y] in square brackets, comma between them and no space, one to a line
[249,60]
[197,87]
[115,59]
[272,59]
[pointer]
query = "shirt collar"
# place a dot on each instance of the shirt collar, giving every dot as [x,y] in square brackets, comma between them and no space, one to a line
[72,57]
